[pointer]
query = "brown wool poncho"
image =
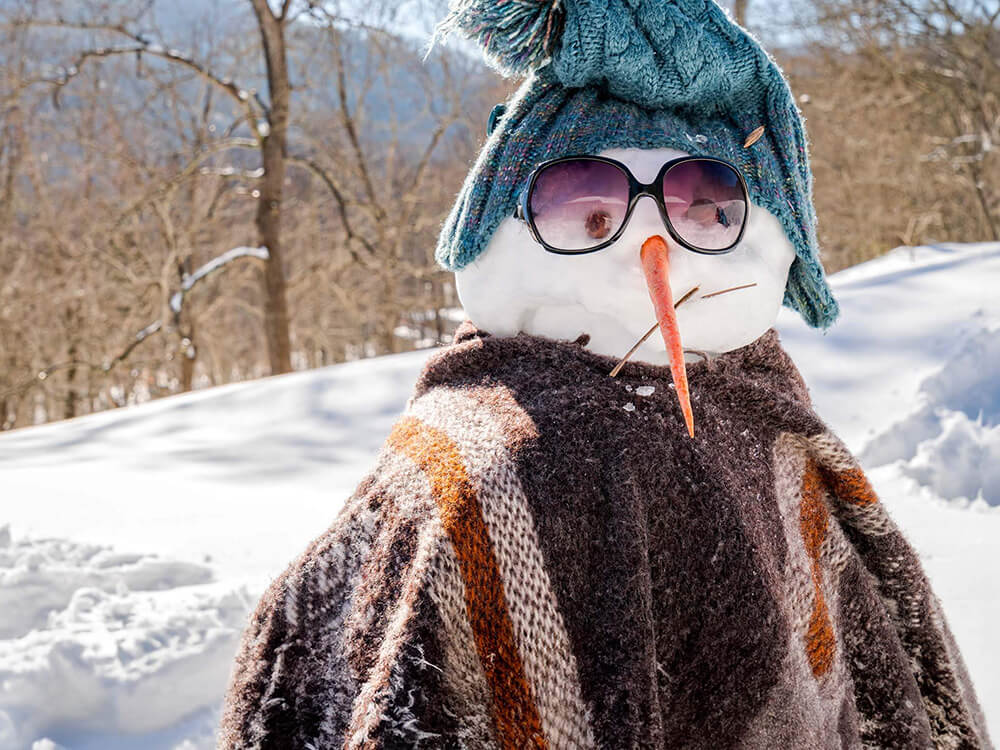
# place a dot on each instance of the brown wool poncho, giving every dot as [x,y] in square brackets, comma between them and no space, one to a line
[542,558]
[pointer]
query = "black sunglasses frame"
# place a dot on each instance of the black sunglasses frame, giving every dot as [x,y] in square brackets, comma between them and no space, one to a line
[636,190]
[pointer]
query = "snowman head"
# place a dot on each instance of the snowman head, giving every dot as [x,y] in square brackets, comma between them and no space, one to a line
[519,284]
[640,83]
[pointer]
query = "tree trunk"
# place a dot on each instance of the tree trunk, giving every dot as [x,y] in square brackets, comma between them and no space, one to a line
[69,406]
[268,220]
[187,368]
[984,204]
[740,11]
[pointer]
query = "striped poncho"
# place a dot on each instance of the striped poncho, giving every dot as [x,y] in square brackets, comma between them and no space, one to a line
[542,558]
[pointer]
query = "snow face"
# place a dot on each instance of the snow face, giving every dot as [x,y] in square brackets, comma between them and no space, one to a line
[516,285]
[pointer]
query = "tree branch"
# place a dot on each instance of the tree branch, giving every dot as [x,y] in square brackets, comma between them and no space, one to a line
[142,45]
[338,196]
[189,280]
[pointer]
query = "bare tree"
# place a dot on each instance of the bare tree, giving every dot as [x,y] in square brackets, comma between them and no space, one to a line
[273,145]
[267,119]
[143,163]
[936,64]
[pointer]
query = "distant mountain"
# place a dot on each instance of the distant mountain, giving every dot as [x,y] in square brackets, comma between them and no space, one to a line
[206,29]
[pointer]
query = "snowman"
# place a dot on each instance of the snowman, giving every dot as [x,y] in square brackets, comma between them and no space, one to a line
[609,516]
[585,255]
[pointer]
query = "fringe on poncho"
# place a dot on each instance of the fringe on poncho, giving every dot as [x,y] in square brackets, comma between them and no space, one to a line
[542,558]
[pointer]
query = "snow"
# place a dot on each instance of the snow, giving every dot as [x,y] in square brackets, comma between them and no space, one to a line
[139,538]
[951,443]
[99,639]
[136,477]
[902,317]
[518,285]
[42,575]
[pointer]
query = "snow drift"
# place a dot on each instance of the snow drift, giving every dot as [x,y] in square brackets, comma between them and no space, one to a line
[99,640]
[951,443]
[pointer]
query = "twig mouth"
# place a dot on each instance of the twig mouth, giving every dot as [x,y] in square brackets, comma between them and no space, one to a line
[681,301]
[730,289]
[649,333]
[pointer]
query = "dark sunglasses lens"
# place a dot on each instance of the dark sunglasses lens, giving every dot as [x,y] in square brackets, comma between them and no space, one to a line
[578,204]
[706,203]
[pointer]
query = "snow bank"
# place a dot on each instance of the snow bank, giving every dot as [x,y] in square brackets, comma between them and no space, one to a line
[98,643]
[903,317]
[40,576]
[951,442]
[203,476]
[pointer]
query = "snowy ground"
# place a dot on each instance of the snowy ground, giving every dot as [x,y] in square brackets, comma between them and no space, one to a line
[136,540]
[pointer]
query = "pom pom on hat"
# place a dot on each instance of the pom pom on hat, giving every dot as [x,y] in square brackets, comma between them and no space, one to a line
[516,35]
[655,53]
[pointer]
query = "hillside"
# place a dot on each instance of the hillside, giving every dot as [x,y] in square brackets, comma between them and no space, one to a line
[137,539]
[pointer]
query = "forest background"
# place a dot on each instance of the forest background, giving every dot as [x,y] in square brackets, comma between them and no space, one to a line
[195,192]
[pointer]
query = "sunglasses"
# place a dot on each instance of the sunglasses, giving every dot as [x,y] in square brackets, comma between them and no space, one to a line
[579,204]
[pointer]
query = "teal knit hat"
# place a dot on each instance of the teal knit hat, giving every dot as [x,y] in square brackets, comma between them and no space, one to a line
[636,74]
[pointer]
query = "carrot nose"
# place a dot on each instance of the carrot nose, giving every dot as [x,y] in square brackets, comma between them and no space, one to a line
[656,267]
